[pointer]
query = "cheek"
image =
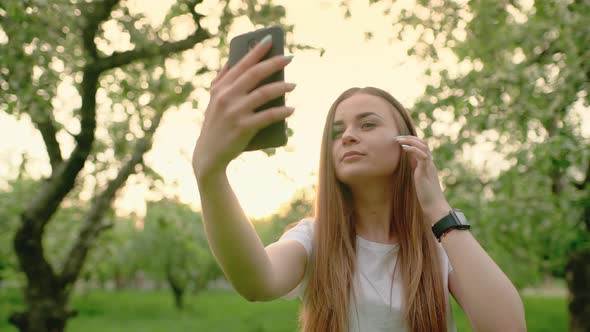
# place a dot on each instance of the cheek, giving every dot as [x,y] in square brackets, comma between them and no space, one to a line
[390,154]
[336,151]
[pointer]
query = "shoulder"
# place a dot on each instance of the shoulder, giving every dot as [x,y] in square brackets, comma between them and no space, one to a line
[301,231]
[305,225]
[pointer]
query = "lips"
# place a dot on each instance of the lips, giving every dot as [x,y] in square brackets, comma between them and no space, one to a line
[351,153]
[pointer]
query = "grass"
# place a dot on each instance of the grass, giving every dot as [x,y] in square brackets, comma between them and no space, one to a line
[219,310]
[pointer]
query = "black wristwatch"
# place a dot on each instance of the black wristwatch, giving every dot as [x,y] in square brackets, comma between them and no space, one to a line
[455,219]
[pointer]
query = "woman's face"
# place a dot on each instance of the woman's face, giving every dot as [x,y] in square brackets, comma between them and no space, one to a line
[364,124]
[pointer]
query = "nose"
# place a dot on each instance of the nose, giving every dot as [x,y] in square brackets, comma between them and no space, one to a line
[348,137]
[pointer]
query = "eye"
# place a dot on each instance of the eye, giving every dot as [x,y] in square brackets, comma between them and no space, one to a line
[336,133]
[370,124]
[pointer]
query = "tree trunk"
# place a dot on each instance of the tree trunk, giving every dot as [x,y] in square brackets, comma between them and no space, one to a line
[46,310]
[119,281]
[577,274]
[547,280]
[45,295]
[178,292]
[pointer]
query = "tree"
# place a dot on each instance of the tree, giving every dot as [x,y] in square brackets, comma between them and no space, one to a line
[11,205]
[520,86]
[114,256]
[301,206]
[173,247]
[123,94]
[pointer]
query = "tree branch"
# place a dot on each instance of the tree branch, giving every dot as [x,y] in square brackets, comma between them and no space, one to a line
[196,16]
[38,110]
[95,14]
[101,204]
[45,124]
[119,59]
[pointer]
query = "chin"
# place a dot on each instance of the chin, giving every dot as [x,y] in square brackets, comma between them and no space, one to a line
[355,176]
[359,175]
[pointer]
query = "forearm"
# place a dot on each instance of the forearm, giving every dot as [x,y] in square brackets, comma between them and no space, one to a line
[490,300]
[232,237]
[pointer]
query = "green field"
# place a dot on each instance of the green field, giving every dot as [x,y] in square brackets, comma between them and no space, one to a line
[217,310]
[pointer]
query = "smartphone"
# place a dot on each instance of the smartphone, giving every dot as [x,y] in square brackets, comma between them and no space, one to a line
[274,135]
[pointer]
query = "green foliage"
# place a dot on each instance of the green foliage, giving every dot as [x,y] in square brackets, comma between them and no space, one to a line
[95,78]
[60,234]
[173,246]
[168,246]
[520,86]
[114,256]
[40,45]
[12,200]
[271,228]
[217,310]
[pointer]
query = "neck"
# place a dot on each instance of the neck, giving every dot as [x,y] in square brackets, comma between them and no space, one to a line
[373,215]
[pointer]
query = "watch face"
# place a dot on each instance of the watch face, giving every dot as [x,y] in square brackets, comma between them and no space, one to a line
[461,217]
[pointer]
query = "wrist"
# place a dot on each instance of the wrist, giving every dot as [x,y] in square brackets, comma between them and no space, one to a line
[203,173]
[210,181]
[437,212]
[203,167]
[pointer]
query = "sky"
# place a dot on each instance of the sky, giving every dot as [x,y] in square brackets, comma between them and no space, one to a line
[264,184]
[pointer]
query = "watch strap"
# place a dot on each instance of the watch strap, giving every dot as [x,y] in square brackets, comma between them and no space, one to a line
[447,222]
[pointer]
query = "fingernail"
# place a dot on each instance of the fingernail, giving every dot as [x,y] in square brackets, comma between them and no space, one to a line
[266,39]
[288,57]
[291,86]
[405,146]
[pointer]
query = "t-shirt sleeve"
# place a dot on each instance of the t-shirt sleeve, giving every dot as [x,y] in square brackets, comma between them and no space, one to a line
[302,233]
[445,259]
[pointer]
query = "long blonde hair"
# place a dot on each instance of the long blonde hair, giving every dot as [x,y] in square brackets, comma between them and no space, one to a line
[325,305]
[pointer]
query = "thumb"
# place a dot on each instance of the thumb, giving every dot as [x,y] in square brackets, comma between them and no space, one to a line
[413,162]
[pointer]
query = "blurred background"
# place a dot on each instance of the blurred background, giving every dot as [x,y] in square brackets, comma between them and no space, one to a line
[101,103]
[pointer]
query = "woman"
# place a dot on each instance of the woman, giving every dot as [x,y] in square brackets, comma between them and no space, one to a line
[368,261]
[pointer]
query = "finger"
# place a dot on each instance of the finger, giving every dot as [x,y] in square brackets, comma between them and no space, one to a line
[266,93]
[416,152]
[221,73]
[413,141]
[267,117]
[250,59]
[250,79]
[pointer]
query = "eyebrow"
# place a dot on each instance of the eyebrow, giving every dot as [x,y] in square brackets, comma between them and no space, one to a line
[357,117]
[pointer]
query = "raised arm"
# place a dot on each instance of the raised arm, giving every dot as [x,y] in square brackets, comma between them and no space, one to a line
[230,122]
[257,273]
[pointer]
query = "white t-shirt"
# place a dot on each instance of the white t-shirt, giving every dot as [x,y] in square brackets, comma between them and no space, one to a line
[374,272]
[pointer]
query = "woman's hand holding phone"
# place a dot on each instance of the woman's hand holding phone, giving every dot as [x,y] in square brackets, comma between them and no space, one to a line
[230,120]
